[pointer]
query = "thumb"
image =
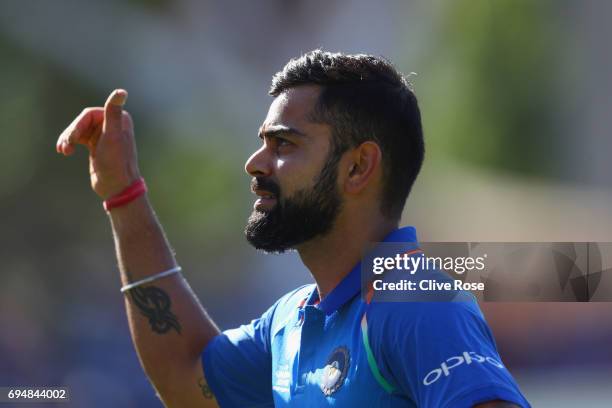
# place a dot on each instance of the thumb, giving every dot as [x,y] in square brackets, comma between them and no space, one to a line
[112,111]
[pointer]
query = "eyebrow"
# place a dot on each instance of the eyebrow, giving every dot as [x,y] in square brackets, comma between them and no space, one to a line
[279,130]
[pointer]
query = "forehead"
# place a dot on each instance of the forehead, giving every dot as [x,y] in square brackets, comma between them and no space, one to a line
[292,107]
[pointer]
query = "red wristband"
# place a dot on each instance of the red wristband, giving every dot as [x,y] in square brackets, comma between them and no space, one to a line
[129,194]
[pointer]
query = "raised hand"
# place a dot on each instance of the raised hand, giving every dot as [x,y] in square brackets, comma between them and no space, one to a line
[108,133]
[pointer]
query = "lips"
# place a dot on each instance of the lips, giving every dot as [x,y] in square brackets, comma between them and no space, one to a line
[263,193]
[264,202]
[267,191]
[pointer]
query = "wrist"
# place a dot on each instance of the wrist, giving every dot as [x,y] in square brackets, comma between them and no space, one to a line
[132,217]
[107,184]
[132,192]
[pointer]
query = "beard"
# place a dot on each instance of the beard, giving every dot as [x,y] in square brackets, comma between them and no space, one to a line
[308,213]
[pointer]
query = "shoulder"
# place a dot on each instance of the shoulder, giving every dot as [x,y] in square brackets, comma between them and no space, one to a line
[415,311]
[424,333]
[260,328]
[431,321]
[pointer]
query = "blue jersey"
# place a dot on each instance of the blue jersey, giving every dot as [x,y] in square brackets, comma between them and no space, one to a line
[347,352]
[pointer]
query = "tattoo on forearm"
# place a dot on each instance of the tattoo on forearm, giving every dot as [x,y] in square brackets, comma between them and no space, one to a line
[154,303]
[206,392]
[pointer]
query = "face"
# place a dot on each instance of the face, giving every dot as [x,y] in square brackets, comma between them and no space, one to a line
[294,175]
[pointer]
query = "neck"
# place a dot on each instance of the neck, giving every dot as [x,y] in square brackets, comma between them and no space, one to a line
[331,257]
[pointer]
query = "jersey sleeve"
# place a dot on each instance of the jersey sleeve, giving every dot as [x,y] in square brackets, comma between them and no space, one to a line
[238,365]
[238,362]
[440,354]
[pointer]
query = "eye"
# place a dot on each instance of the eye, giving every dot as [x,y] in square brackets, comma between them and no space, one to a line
[279,143]
[283,142]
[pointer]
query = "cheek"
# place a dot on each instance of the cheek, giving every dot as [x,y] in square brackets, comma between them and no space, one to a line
[300,162]
[286,176]
[280,164]
[294,175]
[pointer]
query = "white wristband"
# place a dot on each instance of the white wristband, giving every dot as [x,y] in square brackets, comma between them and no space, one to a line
[148,279]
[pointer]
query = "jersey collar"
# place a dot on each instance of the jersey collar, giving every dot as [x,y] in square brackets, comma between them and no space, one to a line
[351,284]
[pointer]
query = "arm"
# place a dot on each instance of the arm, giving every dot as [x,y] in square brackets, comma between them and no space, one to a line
[168,325]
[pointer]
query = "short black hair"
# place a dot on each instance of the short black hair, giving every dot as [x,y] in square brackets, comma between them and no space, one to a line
[363,98]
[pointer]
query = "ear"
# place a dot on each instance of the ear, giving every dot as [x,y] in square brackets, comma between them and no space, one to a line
[363,163]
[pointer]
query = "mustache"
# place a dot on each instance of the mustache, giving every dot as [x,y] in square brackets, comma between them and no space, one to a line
[261,183]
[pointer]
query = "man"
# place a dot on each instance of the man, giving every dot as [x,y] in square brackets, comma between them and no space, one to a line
[341,148]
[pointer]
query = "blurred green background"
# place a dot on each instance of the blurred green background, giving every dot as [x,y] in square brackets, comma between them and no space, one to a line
[516,105]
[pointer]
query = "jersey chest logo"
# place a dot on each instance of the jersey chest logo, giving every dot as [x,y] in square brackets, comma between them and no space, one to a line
[335,371]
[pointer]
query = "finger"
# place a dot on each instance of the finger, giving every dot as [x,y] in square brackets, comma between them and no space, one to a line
[79,133]
[112,111]
[79,130]
[95,136]
[88,137]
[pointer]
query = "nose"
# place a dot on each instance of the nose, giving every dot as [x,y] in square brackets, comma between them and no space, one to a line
[259,164]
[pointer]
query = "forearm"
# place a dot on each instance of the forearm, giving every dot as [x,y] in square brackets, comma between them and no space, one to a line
[169,327]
